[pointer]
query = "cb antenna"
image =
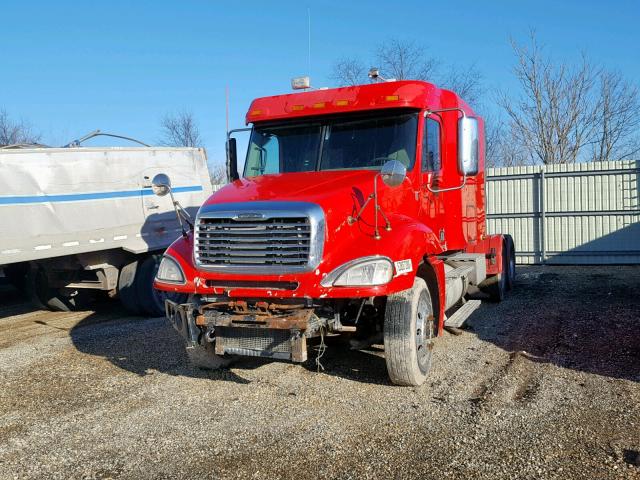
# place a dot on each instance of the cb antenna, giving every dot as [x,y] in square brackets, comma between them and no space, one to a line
[309,41]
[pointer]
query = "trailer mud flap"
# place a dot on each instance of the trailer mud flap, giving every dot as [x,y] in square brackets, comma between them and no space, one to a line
[182,319]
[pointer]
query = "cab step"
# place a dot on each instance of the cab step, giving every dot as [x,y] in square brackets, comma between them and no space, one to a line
[460,316]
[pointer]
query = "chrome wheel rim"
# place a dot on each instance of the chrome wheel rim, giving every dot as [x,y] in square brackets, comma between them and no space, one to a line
[424,330]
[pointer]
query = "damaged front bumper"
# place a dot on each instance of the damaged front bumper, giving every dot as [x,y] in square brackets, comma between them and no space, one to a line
[266,330]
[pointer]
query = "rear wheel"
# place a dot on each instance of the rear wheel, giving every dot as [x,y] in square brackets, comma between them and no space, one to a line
[511,259]
[496,286]
[409,333]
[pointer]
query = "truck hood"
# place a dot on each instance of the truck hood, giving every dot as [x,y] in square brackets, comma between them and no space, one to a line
[317,187]
[340,194]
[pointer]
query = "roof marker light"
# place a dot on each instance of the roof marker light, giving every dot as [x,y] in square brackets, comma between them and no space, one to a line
[392,98]
[256,112]
[342,103]
[300,83]
[297,108]
[319,105]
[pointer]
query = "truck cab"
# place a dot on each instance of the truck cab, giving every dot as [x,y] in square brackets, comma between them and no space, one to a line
[359,211]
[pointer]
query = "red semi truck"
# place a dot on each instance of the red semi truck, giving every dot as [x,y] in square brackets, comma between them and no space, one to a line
[360,210]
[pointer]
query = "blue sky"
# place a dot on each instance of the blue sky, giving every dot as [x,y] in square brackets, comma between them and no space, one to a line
[71,67]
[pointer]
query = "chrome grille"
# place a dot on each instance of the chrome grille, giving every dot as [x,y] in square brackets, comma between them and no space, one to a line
[278,241]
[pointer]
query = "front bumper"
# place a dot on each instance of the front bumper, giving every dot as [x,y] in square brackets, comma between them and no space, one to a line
[271,332]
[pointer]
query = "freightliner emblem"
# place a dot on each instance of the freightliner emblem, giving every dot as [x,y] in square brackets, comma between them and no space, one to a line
[249,216]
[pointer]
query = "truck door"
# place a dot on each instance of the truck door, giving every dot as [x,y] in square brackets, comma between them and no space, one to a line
[432,204]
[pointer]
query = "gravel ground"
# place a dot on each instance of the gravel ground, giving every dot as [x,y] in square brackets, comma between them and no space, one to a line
[544,385]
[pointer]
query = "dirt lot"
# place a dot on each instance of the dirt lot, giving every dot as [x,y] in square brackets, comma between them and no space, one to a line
[543,385]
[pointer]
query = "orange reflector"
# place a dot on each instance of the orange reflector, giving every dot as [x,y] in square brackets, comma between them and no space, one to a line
[256,112]
[319,105]
[297,107]
[392,98]
[342,103]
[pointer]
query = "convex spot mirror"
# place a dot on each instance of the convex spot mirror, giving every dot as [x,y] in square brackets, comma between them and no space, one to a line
[468,145]
[393,173]
[161,184]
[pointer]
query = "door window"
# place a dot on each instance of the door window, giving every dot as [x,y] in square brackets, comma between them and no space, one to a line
[431,146]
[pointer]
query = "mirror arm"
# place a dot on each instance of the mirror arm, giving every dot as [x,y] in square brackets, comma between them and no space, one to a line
[180,214]
[449,189]
[377,210]
[440,110]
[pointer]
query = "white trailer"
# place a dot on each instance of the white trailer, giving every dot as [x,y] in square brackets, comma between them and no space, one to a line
[79,220]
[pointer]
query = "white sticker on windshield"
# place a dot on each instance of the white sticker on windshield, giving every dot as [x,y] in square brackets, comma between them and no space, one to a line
[403,266]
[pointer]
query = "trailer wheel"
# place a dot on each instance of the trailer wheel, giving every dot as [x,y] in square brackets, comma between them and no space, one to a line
[135,287]
[17,274]
[204,357]
[152,300]
[511,269]
[56,299]
[409,332]
[127,289]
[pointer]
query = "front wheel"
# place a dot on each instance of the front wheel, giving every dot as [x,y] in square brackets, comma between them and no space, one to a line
[204,356]
[409,333]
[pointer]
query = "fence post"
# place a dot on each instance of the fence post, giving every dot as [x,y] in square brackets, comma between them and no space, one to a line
[543,239]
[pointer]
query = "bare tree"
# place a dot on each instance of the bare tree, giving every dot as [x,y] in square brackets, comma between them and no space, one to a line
[555,116]
[349,72]
[502,148]
[407,60]
[16,132]
[218,174]
[466,82]
[180,130]
[618,110]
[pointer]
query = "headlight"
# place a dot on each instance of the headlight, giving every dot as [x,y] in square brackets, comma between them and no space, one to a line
[169,271]
[366,271]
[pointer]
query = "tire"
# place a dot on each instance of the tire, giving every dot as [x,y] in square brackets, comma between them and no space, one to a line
[127,290]
[409,332]
[152,300]
[496,285]
[135,286]
[205,358]
[511,262]
[17,274]
[55,299]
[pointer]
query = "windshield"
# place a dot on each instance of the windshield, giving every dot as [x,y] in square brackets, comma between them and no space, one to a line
[338,144]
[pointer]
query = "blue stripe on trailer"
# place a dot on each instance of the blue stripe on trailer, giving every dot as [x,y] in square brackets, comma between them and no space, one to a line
[76,197]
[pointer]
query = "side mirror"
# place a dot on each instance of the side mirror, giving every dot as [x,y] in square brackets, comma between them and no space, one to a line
[468,145]
[393,173]
[161,184]
[232,160]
